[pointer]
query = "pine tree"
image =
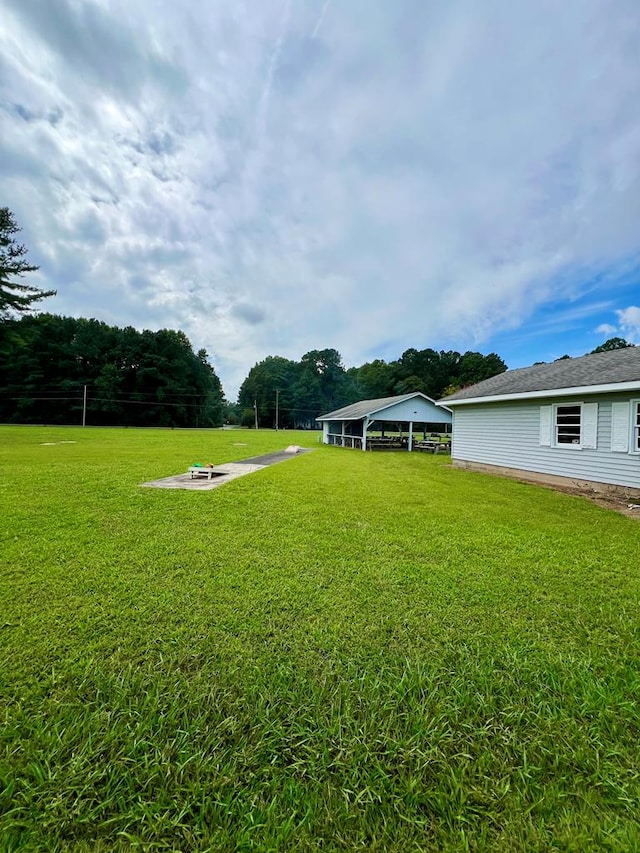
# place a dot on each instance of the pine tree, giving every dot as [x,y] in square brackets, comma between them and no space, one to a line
[14,296]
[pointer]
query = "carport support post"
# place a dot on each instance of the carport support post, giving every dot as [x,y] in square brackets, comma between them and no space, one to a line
[410,436]
[366,423]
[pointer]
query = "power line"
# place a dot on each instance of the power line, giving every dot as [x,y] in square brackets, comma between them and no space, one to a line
[160,403]
[63,387]
[46,399]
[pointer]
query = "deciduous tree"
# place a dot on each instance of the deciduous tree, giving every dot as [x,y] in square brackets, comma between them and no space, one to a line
[611,344]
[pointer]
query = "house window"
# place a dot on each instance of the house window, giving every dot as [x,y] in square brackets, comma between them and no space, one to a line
[572,426]
[568,425]
[636,426]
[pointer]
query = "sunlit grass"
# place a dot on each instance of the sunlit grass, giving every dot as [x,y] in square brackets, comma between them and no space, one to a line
[343,651]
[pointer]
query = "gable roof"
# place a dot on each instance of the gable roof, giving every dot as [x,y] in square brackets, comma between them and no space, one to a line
[617,370]
[366,408]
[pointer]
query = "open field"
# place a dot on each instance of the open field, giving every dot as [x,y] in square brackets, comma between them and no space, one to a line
[344,651]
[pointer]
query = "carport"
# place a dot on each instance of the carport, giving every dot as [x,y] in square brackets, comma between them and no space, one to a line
[386,422]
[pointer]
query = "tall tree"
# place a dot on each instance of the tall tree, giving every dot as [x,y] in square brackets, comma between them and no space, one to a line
[15,297]
[321,387]
[611,344]
[474,367]
[375,379]
[268,382]
[303,390]
[432,370]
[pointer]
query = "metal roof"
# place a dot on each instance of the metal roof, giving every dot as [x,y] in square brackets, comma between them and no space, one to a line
[367,408]
[597,369]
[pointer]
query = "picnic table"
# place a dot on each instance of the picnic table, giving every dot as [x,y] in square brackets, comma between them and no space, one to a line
[378,442]
[433,445]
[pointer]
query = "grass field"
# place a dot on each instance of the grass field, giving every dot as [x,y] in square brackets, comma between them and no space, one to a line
[344,651]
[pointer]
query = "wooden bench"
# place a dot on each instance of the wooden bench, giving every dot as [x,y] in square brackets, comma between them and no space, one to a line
[378,443]
[201,471]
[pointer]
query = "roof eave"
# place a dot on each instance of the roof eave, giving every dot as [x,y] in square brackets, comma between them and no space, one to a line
[331,418]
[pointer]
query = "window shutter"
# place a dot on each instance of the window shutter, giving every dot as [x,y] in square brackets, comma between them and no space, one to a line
[620,427]
[545,425]
[589,426]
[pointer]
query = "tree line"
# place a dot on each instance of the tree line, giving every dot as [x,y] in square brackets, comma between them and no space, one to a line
[132,378]
[291,394]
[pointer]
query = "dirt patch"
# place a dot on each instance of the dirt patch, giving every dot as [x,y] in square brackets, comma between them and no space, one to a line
[618,503]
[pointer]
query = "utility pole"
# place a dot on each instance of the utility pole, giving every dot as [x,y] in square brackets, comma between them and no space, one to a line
[277,394]
[255,411]
[84,407]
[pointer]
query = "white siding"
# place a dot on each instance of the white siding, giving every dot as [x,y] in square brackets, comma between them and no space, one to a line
[509,434]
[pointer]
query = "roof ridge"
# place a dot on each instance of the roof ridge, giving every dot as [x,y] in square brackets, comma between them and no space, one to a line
[591,369]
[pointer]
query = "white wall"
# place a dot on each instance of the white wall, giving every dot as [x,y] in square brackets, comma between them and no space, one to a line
[417,410]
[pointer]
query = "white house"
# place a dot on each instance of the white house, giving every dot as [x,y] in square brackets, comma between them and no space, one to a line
[348,426]
[575,419]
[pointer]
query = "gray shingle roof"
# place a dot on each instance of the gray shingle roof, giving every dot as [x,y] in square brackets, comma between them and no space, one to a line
[602,368]
[359,410]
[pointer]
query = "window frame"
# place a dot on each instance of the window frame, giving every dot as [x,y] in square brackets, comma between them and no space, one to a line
[634,426]
[571,445]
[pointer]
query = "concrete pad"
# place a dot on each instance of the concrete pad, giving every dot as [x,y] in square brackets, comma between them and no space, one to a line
[272,458]
[225,473]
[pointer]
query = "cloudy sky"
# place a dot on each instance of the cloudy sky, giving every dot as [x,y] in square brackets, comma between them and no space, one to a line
[275,176]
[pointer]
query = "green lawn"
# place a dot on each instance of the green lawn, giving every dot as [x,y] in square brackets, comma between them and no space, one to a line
[344,651]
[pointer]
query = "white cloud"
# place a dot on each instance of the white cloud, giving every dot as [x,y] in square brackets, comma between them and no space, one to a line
[273,177]
[630,323]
